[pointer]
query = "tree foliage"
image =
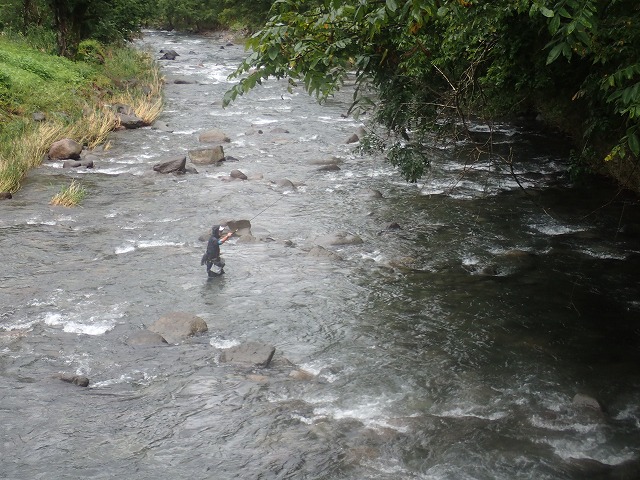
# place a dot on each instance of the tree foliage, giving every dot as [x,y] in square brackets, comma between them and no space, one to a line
[432,63]
[73,21]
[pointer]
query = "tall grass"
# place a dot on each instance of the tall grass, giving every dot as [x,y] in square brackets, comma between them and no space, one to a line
[69,196]
[75,97]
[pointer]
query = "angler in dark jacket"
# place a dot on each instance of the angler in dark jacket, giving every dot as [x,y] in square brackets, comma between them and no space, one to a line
[212,256]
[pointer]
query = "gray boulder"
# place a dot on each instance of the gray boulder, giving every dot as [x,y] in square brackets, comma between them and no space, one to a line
[178,326]
[207,155]
[237,174]
[130,121]
[172,165]
[78,380]
[144,338]
[168,54]
[65,149]
[251,353]
[580,400]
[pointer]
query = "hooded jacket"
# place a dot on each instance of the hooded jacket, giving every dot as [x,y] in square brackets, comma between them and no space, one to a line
[213,247]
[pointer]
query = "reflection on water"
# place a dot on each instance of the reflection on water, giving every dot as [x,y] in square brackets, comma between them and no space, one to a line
[450,347]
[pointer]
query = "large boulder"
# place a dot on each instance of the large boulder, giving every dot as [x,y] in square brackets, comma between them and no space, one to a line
[252,353]
[176,327]
[207,155]
[172,165]
[65,149]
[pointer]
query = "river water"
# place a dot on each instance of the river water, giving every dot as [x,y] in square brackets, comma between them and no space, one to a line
[449,348]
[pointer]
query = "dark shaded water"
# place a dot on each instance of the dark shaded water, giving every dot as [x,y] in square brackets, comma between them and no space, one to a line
[448,349]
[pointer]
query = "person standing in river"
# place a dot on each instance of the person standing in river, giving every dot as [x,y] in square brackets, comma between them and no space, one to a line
[212,255]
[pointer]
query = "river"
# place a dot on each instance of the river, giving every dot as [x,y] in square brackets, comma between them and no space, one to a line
[448,344]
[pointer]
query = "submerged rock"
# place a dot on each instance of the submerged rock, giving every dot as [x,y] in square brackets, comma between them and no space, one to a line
[251,353]
[146,338]
[179,326]
[78,380]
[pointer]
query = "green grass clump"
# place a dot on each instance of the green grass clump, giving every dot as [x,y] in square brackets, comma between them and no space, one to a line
[70,195]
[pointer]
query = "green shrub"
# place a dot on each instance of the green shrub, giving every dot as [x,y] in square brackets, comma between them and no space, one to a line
[91,51]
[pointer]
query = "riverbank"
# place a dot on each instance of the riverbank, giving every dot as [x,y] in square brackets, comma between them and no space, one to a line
[44,98]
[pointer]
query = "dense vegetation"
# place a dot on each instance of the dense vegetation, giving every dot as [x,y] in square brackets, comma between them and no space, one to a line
[435,63]
[45,97]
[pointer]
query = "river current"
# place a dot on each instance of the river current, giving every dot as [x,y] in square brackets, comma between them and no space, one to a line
[448,344]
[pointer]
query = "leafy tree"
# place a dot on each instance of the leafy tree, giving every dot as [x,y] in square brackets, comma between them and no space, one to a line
[432,63]
[76,20]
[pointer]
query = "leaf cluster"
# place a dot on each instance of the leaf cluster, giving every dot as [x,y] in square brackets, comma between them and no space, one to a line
[428,65]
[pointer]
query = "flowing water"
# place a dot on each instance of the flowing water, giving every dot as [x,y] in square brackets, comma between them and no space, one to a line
[448,348]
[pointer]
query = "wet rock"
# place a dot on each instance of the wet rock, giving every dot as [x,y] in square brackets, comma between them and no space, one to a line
[71,164]
[169,54]
[146,338]
[327,161]
[78,380]
[237,174]
[207,155]
[320,252]
[5,195]
[130,122]
[373,193]
[240,227]
[173,165]
[394,226]
[183,81]
[213,136]
[77,164]
[580,400]
[279,130]
[352,139]
[251,353]
[65,149]
[179,326]
[285,185]
[328,168]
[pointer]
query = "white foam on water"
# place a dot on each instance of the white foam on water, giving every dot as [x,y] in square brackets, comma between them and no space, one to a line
[562,426]
[631,412]
[263,121]
[132,245]
[137,377]
[37,221]
[124,249]
[223,343]
[589,448]
[93,326]
[553,228]
[603,255]
[471,411]
[369,411]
